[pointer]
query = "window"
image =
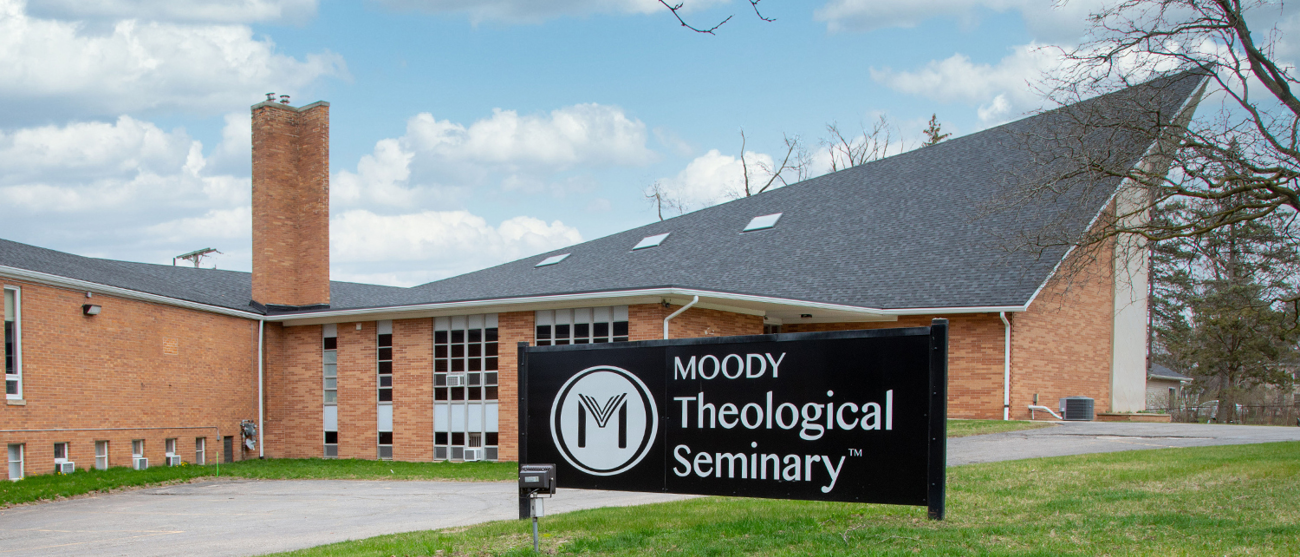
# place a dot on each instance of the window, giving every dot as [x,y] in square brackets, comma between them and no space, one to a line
[386,445]
[60,452]
[385,360]
[330,357]
[771,329]
[465,387]
[101,455]
[15,462]
[137,448]
[331,444]
[552,260]
[13,343]
[200,450]
[171,446]
[581,326]
[651,241]
[762,223]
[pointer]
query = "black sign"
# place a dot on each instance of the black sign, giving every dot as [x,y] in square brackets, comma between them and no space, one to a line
[840,416]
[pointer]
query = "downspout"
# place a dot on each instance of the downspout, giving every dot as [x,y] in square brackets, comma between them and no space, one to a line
[261,431]
[676,313]
[1006,366]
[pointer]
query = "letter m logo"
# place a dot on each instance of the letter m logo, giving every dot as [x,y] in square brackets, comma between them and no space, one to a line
[590,409]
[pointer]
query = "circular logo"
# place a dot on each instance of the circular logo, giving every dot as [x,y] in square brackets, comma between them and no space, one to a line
[604,420]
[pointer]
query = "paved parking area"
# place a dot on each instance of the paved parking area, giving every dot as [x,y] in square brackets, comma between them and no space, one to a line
[249,517]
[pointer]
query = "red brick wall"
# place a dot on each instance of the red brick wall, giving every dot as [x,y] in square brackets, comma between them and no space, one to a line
[294,391]
[136,365]
[291,204]
[646,322]
[512,328]
[975,352]
[358,397]
[413,390]
[1062,345]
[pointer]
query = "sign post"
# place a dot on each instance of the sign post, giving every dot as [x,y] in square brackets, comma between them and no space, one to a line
[834,416]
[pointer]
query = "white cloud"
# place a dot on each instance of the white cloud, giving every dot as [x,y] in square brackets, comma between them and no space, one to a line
[435,244]
[714,178]
[205,11]
[530,154]
[1002,91]
[534,11]
[122,189]
[63,69]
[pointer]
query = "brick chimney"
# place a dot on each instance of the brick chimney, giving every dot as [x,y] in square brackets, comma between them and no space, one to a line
[291,209]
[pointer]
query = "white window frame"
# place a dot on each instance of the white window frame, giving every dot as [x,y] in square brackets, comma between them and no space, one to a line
[101,455]
[64,458]
[200,450]
[170,446]
[137,448]
[18,343]
[20,449]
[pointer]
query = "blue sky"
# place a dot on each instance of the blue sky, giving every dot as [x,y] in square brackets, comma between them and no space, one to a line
[466,134]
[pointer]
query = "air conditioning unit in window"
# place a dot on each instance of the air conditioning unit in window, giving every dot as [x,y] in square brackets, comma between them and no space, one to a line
[473,455]
[140,463]
[455,380]
[173,460]
[66,467]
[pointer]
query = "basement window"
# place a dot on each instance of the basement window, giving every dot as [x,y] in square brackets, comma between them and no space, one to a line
[763,222]
[651,241]
[552,260]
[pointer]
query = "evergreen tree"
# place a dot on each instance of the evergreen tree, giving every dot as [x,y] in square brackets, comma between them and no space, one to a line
[934,132]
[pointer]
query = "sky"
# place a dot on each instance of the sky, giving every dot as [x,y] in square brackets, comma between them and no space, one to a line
[464,133]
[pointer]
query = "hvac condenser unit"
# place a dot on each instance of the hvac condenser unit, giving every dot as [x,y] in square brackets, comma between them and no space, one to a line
[173,460]
[66,467]
[472,455]
[1076,408]
[140,463]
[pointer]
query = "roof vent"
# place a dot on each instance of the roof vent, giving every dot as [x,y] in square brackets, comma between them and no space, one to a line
[763,222]
[651,241]
[552,260]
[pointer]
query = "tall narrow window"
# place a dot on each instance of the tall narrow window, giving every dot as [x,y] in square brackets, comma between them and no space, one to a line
[16,462]
[137,448]
[101,455]
[465,405]
[330,412]
[385,357]
[200,450]
[13,356]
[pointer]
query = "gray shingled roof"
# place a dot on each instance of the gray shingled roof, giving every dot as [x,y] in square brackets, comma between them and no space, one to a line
[909,231]
[1158,371]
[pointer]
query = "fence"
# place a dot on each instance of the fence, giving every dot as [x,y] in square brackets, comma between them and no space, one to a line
[1253,414]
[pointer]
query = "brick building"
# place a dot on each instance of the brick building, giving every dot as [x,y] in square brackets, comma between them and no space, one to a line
[108,362]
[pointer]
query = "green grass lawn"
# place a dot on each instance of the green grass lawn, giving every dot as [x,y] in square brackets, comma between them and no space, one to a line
[49,487]
[1229,500]
[963,428]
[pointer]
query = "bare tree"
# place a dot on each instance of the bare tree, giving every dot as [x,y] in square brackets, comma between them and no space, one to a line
[851,151]
[677,8]
[663,200]
[796,162]
[1242,158]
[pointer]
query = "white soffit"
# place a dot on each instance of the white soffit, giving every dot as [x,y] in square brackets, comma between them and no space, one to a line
[651,241]
[762,222]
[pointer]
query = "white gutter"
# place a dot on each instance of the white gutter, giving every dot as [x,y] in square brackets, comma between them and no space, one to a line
[647,292]
[676,313]
[65,282]
[261,386]
[1006,366]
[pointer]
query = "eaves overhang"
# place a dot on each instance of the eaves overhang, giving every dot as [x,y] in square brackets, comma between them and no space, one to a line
[98,288]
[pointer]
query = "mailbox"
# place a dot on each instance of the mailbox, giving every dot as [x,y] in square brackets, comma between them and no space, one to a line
[537,479]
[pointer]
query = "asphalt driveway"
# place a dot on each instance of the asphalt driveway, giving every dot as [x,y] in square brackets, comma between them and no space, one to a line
[250,517]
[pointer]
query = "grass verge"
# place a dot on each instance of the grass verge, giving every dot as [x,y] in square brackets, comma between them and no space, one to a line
[1240,500]
[48,487]
[964,428]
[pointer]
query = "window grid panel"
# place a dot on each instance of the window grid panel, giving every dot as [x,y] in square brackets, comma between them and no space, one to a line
[581,326]
[16,462]
[329,385]
[13,357]
[465,378]
[200,450]
[101,455]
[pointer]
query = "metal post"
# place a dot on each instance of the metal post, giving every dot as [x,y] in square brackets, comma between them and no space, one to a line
[937,471]
[535,534]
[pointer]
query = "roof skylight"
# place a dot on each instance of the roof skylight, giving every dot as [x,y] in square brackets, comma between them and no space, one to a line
[760,223]
[651,241]
[552,260]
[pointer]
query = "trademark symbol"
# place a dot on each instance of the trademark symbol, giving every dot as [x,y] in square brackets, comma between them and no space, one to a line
[855,452]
